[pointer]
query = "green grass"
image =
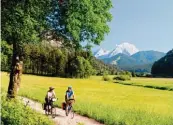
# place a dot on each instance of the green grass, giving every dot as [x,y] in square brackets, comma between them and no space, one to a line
[107,102]
[15,113]
[156,83]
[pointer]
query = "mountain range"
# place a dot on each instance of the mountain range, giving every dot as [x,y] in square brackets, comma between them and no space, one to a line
[128,57]
[124,48]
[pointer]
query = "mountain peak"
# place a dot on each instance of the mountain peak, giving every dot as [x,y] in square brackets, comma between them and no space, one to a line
[101,52]
[125,48]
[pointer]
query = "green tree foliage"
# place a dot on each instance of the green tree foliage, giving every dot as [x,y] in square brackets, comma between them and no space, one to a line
[133,74]
[22,21]
[79,67]
[164,66]
[125,73]
[81,20]
[106,78]
[6,53]
[43,59]
[122,77]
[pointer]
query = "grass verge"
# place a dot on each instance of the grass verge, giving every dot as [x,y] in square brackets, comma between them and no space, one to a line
[14,112]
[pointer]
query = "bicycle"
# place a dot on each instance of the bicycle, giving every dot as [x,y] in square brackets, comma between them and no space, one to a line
[69,109]
[51,108]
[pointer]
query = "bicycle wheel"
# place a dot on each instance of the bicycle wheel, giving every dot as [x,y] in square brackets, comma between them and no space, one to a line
[53,112]
[71,112]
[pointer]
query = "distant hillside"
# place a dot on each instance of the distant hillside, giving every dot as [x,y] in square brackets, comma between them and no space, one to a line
[102,67]
[146,57]
[141,61]
[139,68]
[120,60]
[164,66]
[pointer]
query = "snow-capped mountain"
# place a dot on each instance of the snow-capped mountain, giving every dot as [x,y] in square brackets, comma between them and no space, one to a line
[101,52]
[127,57]
[124,48]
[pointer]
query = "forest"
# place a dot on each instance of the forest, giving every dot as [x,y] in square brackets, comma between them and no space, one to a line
[164,66]
[45,59]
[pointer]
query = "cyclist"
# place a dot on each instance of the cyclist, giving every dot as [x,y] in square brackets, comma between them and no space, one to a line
[69,98]
[49,96]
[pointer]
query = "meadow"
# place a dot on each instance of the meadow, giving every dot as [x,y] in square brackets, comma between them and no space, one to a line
[156,83]
[107,102]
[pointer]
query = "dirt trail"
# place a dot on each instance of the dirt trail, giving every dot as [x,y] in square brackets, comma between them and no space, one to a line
[61,118]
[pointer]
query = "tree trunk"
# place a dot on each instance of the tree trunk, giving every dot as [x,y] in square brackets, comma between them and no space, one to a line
[12,88]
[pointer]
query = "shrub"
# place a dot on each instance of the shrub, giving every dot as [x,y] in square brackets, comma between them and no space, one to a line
[133,74]
[106,78]
[122,77]
[15,113]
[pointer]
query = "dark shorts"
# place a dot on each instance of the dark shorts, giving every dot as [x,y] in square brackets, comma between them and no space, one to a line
[48,102]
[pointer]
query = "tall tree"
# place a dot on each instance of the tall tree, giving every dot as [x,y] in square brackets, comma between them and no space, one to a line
[22,21]
[75,21]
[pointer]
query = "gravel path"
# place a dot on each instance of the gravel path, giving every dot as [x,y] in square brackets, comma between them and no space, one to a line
[61,118]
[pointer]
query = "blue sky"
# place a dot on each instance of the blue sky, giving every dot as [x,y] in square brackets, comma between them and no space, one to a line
[148,24]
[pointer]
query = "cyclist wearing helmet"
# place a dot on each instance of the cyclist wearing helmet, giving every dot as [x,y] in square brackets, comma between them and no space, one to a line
[69,97]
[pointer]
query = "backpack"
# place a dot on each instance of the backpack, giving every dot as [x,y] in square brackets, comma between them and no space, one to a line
[44,106]
[64,106]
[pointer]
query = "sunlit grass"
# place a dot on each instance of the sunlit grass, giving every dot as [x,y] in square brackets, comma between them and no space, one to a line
[158,83]
[105,101]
